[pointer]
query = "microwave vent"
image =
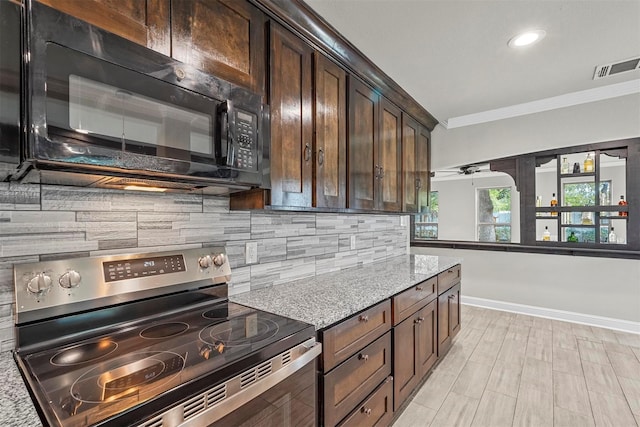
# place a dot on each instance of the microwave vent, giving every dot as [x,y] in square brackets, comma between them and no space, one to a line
[607,70]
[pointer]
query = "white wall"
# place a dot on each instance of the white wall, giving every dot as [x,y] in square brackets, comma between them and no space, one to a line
[616,118]
[592,286]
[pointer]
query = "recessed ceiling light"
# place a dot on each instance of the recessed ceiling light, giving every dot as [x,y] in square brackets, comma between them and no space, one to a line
[527,38]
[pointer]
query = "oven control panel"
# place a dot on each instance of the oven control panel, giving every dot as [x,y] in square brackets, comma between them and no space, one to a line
[142,267]
[60,287]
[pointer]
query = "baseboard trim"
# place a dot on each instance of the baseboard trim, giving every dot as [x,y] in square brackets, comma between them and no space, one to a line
[550,313]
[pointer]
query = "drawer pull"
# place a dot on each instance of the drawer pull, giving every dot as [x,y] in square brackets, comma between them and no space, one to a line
[366,411]
[363,357]
[419,288]
[363,318]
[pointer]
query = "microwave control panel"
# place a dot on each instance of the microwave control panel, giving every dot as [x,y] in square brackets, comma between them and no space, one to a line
[246,138]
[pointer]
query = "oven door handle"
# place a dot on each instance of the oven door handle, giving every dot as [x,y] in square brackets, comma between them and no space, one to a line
[236,396]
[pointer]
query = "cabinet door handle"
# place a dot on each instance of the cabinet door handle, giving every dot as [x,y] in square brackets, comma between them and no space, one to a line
[451,296]
[376,174]
[381,172]
[320,157]
[421,319]
[418,320]
[307,152]
[363,357]
[366,411]
[419,288]
[363,318]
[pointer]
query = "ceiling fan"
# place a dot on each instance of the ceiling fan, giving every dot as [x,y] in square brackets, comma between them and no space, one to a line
[462,170]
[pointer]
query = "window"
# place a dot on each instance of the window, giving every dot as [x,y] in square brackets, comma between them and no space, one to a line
[494,214]
[427,223]
[583,193]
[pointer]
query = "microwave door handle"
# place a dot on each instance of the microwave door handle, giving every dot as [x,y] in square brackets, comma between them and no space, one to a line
[231,135]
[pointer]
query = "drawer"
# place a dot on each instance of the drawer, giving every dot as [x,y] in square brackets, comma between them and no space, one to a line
[408,302]
[348,384]
[448,278]
[376,410]
[344,339]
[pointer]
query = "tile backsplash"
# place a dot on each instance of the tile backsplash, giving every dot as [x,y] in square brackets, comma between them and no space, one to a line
[40,222]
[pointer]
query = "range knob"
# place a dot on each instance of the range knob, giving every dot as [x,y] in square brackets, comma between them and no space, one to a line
[205,261]
[70,279]
[39,284]
[219,259]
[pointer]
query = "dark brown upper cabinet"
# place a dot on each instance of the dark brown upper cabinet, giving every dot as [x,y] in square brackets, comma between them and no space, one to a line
[145,22]
[423,168]
[291,120]
[222,37]
[389,157]
[331,134]
[374,150]
[415,165]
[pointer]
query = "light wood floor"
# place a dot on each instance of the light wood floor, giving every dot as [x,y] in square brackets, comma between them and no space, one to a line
[507,369]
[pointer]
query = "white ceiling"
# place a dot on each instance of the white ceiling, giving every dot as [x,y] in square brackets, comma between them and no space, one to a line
[452,55]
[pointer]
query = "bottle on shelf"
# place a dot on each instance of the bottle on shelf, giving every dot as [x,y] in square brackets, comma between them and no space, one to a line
[564,167]
[622,202]
[546,236]
[553,204]
[572,237]
[538,201]
[612,236]
[588,164]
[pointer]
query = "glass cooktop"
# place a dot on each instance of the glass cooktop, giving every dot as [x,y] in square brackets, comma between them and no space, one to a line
[96,379]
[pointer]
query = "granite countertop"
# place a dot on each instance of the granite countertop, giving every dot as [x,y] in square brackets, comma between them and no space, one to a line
[16,407]
[329,298]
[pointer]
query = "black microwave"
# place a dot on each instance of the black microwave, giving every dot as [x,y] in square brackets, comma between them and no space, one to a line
[100,110]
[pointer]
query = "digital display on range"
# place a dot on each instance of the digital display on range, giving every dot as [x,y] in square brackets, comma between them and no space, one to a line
[142,267]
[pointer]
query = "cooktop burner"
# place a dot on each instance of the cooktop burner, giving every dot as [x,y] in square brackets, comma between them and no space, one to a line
[239,332]
[164,330]
[109,375]
[83,353]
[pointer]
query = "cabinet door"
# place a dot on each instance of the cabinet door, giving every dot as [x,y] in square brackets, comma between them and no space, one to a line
[406,367]
[423,168]
[389,158]
[410,132]
[427,348]
[222,37]
[331,134]
[363,138]
[291,120]
[444,335]
[448,318]
[145,22]
[415,351]
[454,310]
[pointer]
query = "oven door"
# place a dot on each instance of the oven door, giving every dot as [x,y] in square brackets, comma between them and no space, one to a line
[278,392]
[290,403]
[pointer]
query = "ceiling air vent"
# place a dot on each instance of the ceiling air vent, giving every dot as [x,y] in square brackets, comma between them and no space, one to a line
[616,68]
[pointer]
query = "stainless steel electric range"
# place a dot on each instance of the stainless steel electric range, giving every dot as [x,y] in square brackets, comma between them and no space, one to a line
[152,340]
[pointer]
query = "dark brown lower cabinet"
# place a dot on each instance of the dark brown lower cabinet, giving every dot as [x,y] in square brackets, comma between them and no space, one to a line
[414,350]
[448,318]
[354,379]
[376,410]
